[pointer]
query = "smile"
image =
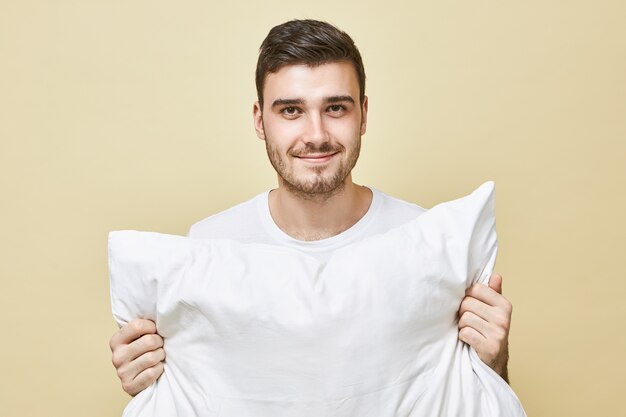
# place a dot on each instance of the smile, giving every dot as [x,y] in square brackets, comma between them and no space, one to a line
[317,159]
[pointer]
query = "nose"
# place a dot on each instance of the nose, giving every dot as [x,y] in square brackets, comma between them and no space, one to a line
[315,130]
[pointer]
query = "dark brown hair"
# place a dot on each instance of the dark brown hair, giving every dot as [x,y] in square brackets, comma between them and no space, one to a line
[308,42]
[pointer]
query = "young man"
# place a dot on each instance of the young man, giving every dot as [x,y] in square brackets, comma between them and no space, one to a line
[311,112]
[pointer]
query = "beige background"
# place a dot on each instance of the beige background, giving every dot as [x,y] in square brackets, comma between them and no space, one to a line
[137,114]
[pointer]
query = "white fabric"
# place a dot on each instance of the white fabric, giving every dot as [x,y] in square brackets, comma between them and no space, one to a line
[251,222]
[263,330]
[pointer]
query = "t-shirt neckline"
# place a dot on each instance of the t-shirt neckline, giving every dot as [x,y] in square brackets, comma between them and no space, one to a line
[341,239]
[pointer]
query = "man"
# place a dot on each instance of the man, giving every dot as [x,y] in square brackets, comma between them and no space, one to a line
[311,112]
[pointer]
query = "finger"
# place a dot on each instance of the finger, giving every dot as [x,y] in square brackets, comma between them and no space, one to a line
[472,338]
[129,371]
[469,319]
[475,306]
[144,379]
[144,344]
[124,354]
[486,294]
[498,318]
[131,331]
[495,283]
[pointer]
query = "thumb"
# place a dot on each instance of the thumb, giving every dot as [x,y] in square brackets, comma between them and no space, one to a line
[495,283]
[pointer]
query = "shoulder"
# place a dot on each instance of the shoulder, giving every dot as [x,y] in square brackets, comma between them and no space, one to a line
[395,207]
[389,212]
[232,223]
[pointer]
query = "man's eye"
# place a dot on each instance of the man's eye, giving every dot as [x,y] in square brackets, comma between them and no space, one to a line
[290,111]
[336,108]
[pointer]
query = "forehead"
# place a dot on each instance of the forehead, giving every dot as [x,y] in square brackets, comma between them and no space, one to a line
[311,83]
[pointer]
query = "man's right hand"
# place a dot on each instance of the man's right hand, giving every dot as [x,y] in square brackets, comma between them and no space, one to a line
[138,355]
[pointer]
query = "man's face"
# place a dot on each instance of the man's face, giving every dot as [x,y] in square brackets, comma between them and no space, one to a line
[312,124]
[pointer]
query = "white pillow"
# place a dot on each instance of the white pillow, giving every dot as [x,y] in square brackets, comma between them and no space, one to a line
[264,331]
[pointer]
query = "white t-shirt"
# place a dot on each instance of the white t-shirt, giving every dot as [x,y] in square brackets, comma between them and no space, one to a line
[251,222]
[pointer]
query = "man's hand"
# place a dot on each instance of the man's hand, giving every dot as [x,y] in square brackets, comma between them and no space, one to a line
[138,355]
[484,323]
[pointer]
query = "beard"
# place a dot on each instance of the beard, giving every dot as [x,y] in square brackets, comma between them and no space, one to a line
[322,183]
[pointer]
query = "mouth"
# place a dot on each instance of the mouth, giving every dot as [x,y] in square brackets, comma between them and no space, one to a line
[317,158]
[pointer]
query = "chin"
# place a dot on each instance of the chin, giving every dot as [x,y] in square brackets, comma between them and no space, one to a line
[317,186]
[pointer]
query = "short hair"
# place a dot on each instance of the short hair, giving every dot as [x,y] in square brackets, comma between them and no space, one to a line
[309,42]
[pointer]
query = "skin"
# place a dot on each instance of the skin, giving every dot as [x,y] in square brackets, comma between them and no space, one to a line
[137,355]
[484,323]
[311,122]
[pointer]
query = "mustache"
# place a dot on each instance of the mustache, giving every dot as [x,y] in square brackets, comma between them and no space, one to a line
[310,149]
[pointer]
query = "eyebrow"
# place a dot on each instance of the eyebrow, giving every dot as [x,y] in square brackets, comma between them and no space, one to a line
[287,102]
[299,101]
[339,99]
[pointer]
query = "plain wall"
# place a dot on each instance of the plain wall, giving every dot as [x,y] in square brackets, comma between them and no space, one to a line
[138,115]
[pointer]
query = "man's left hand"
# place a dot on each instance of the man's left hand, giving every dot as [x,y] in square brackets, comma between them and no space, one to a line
[484,323]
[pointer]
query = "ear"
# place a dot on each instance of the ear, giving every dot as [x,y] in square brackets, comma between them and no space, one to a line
[364,115]
[257,115]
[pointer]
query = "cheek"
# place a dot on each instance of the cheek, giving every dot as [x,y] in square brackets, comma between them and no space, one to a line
[344,131]
[283,132]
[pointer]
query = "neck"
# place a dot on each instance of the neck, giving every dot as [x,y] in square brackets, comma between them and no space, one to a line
[319,216]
